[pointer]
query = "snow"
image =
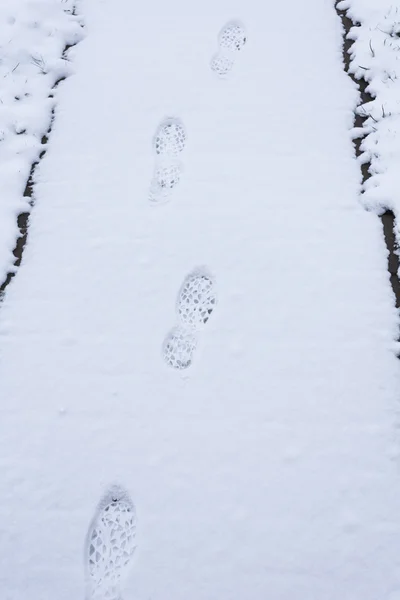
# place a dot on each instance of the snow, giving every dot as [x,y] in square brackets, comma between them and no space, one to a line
[375,56]
[33,36]
[268,468]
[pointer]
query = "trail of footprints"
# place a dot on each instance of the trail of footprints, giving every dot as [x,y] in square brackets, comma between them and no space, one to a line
[170,136]
[196,302]
[111,539]
[197,298]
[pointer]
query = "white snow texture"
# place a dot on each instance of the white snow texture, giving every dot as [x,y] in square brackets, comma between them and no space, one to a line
[375,56]
[33,36]
[203,312]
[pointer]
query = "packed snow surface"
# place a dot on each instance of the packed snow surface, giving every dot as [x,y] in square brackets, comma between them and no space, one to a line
[199,393]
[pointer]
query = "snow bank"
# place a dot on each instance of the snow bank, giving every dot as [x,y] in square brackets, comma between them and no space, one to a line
[375,56]
[34,35]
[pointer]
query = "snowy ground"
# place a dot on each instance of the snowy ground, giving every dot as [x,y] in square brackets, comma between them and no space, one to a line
[375,57]
[268,467]
[33,37]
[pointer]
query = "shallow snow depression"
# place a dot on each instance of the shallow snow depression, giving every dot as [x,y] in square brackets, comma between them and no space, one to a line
[34,36]
[264,465]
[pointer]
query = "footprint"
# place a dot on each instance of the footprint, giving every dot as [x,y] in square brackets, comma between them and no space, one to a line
[168,143]
[110,544]
[231,40]
[178,348]
[232,37]
[170,138]
[197,300]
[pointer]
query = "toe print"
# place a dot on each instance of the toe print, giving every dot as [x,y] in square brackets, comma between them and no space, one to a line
[196,301]
[178,348]
[232,37]
[170,138]
[110,545]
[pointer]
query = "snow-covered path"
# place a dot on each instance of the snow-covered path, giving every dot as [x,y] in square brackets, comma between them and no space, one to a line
[268,469]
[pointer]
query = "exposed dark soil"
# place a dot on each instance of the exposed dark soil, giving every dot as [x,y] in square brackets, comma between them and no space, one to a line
[23,218]
[388,218]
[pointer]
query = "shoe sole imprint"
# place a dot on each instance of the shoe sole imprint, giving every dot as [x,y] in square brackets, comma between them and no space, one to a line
[169,138]
[197,300]
[110,544]
[232,37]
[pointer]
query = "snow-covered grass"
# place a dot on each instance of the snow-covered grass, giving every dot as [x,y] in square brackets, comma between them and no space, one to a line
[34,35]
[375,57]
